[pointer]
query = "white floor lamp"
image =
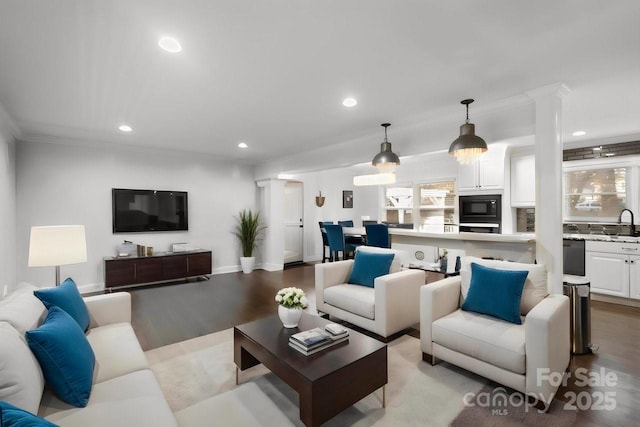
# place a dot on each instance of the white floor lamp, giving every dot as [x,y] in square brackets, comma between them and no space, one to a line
[57,245]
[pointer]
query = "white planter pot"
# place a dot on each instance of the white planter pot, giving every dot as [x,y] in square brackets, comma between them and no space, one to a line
[289,316]
[247,263]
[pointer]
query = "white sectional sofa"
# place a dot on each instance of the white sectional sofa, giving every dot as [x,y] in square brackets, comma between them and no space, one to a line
[125,391]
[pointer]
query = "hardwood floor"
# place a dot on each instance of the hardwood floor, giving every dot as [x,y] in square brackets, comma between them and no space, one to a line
[170,313]
[166,314]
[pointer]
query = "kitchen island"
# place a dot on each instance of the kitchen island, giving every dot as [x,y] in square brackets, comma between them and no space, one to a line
[513,247]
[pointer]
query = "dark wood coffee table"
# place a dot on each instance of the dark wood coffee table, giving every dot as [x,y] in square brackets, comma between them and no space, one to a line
[328,381]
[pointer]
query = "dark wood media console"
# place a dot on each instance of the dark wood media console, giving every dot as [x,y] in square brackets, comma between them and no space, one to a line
[136,270]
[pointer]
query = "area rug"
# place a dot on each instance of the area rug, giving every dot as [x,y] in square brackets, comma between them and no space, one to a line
[418,394]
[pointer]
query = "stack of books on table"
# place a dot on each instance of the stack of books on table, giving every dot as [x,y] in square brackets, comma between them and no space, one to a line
[317,339]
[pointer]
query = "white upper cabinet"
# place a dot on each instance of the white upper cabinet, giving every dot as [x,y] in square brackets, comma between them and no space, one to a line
[523,181]
[486,173]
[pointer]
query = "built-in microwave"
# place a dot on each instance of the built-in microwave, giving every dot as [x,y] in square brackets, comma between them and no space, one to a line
[481,213]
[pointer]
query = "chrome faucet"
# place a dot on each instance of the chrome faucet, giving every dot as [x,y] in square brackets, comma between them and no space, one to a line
[632,225]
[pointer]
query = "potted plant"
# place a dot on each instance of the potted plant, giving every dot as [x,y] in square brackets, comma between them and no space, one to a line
[249,230]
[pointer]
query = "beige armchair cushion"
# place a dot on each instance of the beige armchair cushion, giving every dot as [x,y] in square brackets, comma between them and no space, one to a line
[355,299]
[484,338]
[535,287]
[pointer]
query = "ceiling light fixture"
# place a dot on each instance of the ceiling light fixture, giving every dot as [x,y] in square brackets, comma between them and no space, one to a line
[468,146]
[125,128]
[170,44]
[243,145]
[579,133]
[386,160]
[374,179]
[350,102]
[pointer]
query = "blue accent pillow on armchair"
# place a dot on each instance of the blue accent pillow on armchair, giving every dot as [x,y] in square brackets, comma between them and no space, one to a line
[495,292]
[11,416]
[65,356]
[368,265]
[67,297]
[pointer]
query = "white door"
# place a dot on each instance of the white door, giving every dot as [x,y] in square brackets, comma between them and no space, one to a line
[293,231]
[608,273]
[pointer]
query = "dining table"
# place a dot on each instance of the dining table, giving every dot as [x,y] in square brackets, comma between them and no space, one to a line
[354,231]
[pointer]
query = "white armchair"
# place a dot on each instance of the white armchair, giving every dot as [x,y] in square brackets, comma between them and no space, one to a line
[389,307]
[519,356]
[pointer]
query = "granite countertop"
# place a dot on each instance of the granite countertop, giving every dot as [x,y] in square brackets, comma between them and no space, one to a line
[602,238]
[487,237]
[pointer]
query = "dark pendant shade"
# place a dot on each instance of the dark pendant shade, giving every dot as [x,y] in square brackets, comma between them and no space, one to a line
[386,157]
[468,146]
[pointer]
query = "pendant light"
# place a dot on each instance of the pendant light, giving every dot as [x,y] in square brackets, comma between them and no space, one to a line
[386,160]
[468,146]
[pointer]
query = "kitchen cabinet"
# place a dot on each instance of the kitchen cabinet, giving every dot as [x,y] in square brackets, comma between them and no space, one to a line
[613,268]
[523,181]
[486,173]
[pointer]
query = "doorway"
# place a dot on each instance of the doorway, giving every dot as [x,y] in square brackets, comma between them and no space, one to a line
[293,225]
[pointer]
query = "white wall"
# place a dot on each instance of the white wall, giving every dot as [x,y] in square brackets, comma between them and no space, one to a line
[70,184]
[7,208]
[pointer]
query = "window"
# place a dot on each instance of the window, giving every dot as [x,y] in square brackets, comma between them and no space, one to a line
[399,204]
[437,206]
[435,211]
[596,193]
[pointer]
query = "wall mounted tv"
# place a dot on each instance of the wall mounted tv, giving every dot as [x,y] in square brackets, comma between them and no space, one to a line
[149,210]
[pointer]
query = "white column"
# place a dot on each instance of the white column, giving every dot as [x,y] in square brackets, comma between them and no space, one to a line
[548,146]
[272,200]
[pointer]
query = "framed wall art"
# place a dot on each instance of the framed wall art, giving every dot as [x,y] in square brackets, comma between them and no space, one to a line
[347,199]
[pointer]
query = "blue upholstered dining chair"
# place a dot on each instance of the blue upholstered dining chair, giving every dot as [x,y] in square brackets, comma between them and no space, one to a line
[325,241]
[378,235]
[351,242]
[335,238]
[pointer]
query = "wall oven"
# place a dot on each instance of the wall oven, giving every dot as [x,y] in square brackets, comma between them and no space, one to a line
[481,213]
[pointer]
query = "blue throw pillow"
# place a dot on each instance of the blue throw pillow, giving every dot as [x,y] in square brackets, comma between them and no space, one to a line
[495,292]
[65,356]
[67,297]
[368,265]
[10,416]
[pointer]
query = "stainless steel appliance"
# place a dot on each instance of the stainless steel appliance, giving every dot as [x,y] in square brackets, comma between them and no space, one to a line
[481,213]
[573,257]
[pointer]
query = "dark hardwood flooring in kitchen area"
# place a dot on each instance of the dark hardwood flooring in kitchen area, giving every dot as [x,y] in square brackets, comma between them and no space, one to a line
[171,313]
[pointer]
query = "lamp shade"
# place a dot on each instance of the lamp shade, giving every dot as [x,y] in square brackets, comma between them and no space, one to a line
[468,146]
[386,160]
[57,245]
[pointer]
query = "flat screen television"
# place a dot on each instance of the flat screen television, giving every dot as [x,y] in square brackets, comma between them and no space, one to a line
[149,210]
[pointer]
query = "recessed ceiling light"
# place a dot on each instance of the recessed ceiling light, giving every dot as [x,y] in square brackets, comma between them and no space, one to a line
[170,44]
[579,133]
[125,128]
[349,102]
[243,145]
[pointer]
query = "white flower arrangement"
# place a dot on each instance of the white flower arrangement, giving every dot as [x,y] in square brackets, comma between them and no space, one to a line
[291,298]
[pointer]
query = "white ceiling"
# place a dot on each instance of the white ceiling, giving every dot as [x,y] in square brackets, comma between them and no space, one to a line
[274,73]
